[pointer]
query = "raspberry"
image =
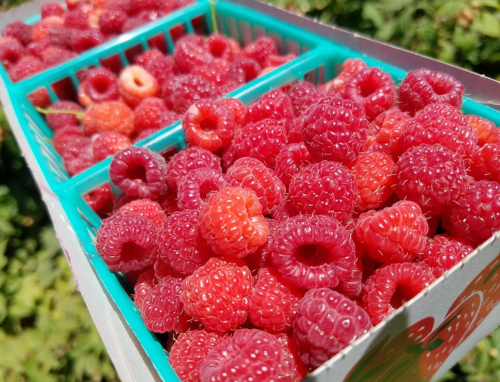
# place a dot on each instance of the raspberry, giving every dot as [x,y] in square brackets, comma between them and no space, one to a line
[118,5]
[11,52]
[441,124]
[243,70]
[19,30]
[138,171]
[195,188]
[304,95]
[41,29]
[180,92]
[249,355]
[284,210]
[57,121]
[475,216]
[220,47]
[162,269]
[161,68]
[292,359]
[373,172]
[127,242]
[188,55]
[215,72]
[485,162]
[36,48]
[148,114]
[262,140]
[40,98]
[83,40]
[188,160]
[100,199]
[109,116]
[209,125]
[262,257]
[25,67]
[373,89]
[253,174]
[290,160]
[162,309]
[393,285]
[335,129]
[146,280]
[121,200]
[64,136]
[76,19]
[296,130]
[72,4]
[51,9]
[272,105]
[108,144]
[273,302]
[169,117]
[217,294]
[133,23]
[54,56]
[60,37]
[422,87]
[232,222]
[189,351]
[443,252]
[395,234]
[111,22]
[238,109]
[260,49]
[83,98]
[324,188]
[273,61]
[431,176]
[147,57]
[101,85]
[147,208]
[78,155]
[136,84]
[349,68]
[485,130]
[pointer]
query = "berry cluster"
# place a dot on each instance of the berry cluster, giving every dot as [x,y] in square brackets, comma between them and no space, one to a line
[332,208]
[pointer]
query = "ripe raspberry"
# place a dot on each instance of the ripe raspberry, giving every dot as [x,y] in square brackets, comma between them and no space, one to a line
[148,114]
[443,252]
[232,222]
[112,22]
[253,174]
[326,323]
[209,125]
[262,257]
[284,210]
[57,121]
[145,58]
[136,84]
[431,176]
[40,98]
[272,105]
[108,144]
[243,70]
[260,49]
[25,67]
[109,116]
[188,55]
[291,159]
[195,188]
[485,162]
[118,5]
[83,40]
[238,109]
[485,130]
[220,47]
[188,160]
[161,68]
[64,136]
[422,87]
[59,37]
[350,67]
[36,48]
[373,89]
[393,285]
[373,172]
[127,242]
[217,294]
[145,282]
[441,124]
[215,72]
[306,97]
[11,52]
[168,202]
[324,188]
[78,156]
[41,29]
[181,92]
[121,200]
[100,199]
[395,234]
[18,30]
[54,56]
[189,351]
[51,9]
[76,19]
[162,269]
[273,302]
[169,118]
[138,171]
[147,208]
[83,98]
[101,85]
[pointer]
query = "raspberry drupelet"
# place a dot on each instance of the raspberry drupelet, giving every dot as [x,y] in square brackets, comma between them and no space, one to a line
[238,109]
[195,188]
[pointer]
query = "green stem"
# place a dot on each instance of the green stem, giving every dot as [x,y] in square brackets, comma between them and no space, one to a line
[213,16]
[79,114]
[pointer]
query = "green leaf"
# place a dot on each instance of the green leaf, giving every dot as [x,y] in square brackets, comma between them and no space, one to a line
[373,14]
[488,24]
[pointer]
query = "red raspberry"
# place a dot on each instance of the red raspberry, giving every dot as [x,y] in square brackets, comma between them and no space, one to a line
[145,282]
[25,67]
[262,140]
[350,67]
[57,121]
[262,257]
[168,202]
[11,52]
[209,125]
[127,242]
[100,199]
[83,40]
[485,162]
[72,4]
[475,216]
[41,29]
[305,97]
[64,136]
[422,87]
[217,294]
[326,323]
[431,176]
[18,30]
[443,252]
[147,208]
[292,358]
[272,105]
[121,200]
[112,22]
[161,68]
[273,302]
[324,188]
[253,174]
[232,222]
[373,172]
[215,72]
[169,117]
[101,85]
[260,49]
[238,109]
[180,92]
[138,171]
[162,269]
[136,84]
[393,285]
[485,130]
[36,48]
[60,37]
[249,355]
[188,160]
[395,234]
[118,5]
[243,70]
[76,19]
[189,351]
[51,9]
[148,114]
[441,124]
[195,188]
[133,23]
[284,210]
[40,98]
[78,155]
[109,116]
[291,159]
[147,57]
[373,89]
[54,56]
[188,55]
[108,144]
[220,47]
[83,98]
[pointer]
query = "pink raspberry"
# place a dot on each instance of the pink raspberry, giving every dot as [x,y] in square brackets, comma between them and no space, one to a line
[272,105]
[217,294]
[431,176]
[101,85]
[284,210]
[253,174]
[485,130]
[162,269]
[393,285]
[78,156]
[147,208]
[188,160]
[76,19]
[216,72]
[335,129]
[243,70]
[112,22]
[209,125]
[83,40]
[326,323]
[36,48]
[350,67]
[127,242]
[262,256]
[238,109]
[485,162]
[11,51]
[65,136]
[108,144]
[232,222]
[19,30]
[194,189]
[59,37]
[475,216]
[100,199]
[180,92]
[291,159]
[249,355]
[441,124]
[260,49]
[58,121]
[324,188]
[422,87]
[314,251]
[373,172]
[395,234]
[188,55]
[273,302]
[161,68]
[220,47]
[373,89]
[136,84]
[51,9]
[138,171]
[109,116]
[26,67]
[148,114]
[143,285]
